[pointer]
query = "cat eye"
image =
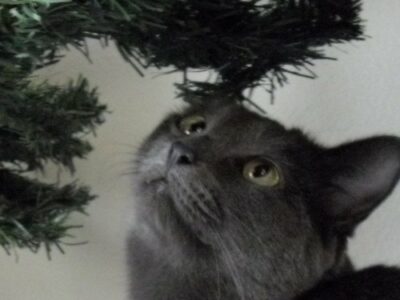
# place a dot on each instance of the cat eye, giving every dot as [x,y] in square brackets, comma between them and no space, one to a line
[192,124]
[262,172]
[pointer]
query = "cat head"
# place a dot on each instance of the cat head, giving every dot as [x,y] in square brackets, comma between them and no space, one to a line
[272,205]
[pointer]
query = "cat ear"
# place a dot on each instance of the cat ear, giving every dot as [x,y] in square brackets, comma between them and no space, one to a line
[360,176]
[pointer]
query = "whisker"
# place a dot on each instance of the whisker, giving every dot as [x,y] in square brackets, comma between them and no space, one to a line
[235,275]
[133,173]
[131,146]
[249,230]
[217,268]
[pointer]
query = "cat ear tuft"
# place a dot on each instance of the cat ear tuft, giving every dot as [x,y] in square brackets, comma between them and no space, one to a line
[360,176]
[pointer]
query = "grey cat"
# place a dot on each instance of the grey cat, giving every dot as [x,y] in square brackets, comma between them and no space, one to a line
[232,205]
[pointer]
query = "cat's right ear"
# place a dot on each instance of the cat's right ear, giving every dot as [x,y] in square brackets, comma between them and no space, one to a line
[358,177]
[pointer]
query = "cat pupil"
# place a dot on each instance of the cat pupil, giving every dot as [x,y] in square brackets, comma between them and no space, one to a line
[261,171]
[198,127]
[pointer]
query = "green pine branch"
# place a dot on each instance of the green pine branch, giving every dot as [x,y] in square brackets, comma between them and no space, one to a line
[34,214]
[247,43]
[41,124]
[46,123]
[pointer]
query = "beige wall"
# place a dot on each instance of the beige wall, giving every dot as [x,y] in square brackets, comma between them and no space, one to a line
[354,97]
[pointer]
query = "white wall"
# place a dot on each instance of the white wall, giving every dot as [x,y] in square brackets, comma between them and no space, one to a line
[354,97]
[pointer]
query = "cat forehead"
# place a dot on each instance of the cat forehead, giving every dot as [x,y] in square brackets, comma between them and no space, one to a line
[241,129]
[237,119]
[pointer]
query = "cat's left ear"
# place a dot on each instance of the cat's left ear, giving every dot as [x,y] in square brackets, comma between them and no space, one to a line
[360,176]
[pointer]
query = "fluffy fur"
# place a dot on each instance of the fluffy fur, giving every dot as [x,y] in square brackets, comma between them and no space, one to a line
[375,283]
[204,232]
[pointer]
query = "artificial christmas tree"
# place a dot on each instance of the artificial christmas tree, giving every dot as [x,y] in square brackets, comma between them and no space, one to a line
[246,43]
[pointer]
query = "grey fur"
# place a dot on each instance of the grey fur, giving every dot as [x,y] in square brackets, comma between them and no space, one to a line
[203,232]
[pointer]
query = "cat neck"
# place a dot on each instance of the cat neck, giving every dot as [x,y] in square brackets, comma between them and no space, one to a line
[198,277]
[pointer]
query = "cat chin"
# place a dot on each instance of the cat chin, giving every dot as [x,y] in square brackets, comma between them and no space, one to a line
[157,202]
[176,218]
[180,201]
[160,187]
[151,180]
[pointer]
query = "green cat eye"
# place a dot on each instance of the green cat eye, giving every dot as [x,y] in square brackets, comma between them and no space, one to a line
[192,124]
[262,172]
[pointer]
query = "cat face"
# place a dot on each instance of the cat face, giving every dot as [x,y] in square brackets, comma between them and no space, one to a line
[267,202]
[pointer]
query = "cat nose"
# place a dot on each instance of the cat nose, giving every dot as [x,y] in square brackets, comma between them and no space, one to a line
[180,154]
